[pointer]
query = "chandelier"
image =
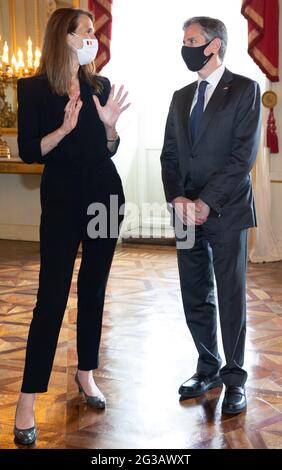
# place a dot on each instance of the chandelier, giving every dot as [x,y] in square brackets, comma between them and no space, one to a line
[19,66]
[12,67]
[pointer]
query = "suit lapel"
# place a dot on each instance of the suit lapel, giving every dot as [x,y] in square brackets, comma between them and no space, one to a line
[185,107]
[218,95]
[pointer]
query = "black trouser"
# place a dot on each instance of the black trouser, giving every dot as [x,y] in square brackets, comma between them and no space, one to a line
[60,236]
[222,255]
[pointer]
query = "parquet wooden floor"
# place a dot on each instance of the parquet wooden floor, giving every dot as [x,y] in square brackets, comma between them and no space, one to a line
[146,353]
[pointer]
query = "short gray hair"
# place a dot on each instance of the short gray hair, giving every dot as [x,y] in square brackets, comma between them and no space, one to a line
[212,28]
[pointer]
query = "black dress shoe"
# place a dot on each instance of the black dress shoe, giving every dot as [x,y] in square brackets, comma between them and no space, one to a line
[199,384]
[234,400]
[25,436]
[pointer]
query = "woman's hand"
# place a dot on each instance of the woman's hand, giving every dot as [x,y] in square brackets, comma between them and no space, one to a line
[110,113]
[71,114]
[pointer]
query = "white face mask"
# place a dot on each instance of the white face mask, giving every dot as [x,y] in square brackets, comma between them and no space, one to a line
[88,52]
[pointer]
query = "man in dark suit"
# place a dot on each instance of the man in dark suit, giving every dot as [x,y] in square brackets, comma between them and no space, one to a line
[210,145]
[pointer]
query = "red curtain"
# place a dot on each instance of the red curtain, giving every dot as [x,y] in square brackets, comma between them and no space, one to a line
[102,10]
[263,24]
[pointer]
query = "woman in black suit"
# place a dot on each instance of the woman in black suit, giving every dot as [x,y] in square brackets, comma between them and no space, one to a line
[66,120]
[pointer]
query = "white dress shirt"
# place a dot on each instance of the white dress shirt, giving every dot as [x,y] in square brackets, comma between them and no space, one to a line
[213,80]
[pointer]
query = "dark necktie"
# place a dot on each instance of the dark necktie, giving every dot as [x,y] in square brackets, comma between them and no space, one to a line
[198,110]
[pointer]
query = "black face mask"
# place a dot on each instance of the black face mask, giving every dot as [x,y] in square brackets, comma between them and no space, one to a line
[194,57]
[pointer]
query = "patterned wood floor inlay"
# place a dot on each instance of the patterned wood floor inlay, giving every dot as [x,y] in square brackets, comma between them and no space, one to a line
[146,353]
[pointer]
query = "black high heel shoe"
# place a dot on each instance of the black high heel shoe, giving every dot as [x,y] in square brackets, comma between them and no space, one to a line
[25,436]
[98,401]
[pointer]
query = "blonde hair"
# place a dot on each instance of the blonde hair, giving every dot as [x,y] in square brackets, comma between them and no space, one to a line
[56,54]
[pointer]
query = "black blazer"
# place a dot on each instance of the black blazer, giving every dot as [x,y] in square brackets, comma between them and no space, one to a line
[216,166]
[79,171]
[40,111]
